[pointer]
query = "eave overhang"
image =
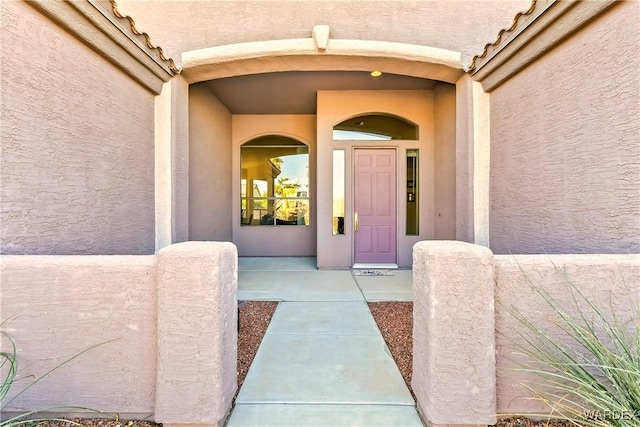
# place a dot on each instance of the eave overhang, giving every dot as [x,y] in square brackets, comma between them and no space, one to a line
[533,33]
[99,25]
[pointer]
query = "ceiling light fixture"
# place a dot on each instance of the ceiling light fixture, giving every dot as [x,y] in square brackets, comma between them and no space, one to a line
[376,73]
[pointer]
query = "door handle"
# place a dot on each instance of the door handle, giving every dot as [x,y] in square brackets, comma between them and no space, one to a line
[355,221]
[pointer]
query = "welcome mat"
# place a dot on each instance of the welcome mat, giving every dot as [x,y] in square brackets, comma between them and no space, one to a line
[372,273]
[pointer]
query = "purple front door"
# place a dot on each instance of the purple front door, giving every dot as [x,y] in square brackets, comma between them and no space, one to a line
[375,205]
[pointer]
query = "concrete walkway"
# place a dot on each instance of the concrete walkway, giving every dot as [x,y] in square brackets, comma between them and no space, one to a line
[323,361]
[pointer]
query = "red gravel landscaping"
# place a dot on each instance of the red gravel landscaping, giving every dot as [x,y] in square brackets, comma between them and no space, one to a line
[395,321]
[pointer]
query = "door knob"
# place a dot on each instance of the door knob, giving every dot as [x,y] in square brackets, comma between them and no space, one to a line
[355,221]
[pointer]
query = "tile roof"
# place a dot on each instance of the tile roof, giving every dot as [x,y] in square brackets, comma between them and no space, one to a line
[147,40]
[505,33]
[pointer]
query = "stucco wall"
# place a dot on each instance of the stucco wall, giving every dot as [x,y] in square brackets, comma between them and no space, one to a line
[565,145]
[463,26]
[444,127]
[77,146]
[197,285]
[445,271]
[454,376]
[139,330]
[56,307]
[464,160]
[611,282]
[209,166]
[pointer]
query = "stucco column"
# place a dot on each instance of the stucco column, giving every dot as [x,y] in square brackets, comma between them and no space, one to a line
[172,163]
[454,376]
[472,161]
[197,335]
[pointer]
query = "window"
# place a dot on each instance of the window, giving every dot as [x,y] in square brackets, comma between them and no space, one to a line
[413,202]
[375,127]
[338,192]
[274,182]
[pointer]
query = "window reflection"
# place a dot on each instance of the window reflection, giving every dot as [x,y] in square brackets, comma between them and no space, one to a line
[274,182]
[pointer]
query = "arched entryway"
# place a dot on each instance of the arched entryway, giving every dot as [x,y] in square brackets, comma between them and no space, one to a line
[253,67]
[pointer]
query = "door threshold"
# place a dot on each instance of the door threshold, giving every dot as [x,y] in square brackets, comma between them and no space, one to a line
[367,266]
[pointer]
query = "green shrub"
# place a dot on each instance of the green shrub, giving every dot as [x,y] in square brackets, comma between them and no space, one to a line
[593,379]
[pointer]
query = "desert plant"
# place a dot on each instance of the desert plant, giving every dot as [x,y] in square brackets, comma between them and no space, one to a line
[593,378]
[9,368]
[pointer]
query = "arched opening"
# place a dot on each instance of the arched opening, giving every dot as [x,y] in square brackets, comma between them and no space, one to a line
[303,55]
[253,107]
[375,126]
[274,182]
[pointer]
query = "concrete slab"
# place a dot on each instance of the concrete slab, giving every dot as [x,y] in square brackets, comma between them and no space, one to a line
[369,266]
[324,369]
[277,264]
[387,288]
[340,318]
[324,415]
[318,285]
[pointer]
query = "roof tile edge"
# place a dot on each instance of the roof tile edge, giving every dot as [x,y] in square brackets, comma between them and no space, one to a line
[519,18]
[168,61]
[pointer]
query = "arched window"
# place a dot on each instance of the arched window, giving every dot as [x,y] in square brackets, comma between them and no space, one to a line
[274,181]
[375,127]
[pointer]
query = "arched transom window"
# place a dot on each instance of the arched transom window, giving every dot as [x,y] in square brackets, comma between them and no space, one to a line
[375,127]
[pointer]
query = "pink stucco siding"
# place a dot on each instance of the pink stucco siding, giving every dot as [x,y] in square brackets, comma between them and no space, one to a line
[565,145]
[55,307]
[77,145]
[609,282]
[444,123]
[138,331]
[210,166]
[462,26]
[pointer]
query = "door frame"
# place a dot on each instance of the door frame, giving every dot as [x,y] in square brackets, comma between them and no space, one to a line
[336,251]
[352,208]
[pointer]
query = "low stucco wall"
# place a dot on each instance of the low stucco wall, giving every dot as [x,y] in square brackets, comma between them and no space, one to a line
[57,306]
[463,300]
[454,375]
[167,324]
[611,282]
[197,335]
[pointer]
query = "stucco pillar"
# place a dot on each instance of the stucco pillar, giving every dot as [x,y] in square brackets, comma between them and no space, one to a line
[197,336]
[454,377]
[472,161]
[172,163]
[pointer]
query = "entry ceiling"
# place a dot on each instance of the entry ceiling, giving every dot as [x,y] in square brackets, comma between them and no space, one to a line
[294,92]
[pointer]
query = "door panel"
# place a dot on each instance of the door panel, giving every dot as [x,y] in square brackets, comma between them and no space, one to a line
[375,203]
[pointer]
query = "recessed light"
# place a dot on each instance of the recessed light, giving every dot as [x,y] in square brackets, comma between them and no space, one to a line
[376,73]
